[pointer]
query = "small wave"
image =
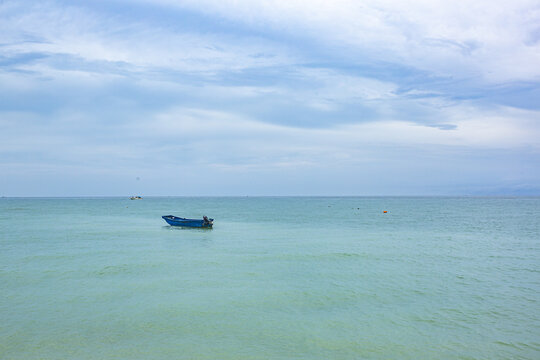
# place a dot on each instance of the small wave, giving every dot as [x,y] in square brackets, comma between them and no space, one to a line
[507,344]
[326,256]
[307,257]
[114,269]
[123,269]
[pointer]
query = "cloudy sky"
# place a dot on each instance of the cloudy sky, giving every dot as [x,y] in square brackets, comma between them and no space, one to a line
[282,97]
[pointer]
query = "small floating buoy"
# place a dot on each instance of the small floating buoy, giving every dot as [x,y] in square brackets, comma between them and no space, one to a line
[385,211]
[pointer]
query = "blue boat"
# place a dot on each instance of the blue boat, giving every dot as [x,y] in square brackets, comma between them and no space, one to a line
[178,221]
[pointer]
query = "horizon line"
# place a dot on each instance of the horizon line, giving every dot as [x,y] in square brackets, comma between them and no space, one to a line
[271,196]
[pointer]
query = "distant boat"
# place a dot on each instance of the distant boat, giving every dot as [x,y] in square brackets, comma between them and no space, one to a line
[178,221]
[136,198]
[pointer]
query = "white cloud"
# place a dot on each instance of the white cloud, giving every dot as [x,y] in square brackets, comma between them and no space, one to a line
[450,38]
[146,47]
[120,92]
[502,128]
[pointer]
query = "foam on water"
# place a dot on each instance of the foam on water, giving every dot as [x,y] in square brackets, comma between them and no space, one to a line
[303,278]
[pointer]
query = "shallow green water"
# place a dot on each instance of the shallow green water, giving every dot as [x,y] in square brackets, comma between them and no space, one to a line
[277,278]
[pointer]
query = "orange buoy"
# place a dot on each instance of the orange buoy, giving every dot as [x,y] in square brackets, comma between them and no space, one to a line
[385,211]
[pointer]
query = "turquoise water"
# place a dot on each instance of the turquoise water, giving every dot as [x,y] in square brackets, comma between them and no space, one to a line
[277,278]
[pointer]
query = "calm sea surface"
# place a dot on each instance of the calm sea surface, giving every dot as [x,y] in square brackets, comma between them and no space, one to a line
[277,278]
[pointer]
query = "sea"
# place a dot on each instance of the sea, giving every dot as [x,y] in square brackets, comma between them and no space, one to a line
[276,278]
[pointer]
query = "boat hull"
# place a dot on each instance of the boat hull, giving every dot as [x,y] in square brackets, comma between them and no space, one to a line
[194,223]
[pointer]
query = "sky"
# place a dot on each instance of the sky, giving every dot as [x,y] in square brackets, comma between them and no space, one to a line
[269,97]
